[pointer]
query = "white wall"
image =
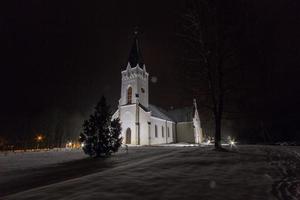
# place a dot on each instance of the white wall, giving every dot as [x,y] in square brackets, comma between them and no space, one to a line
[161,123]
[147,130]
[144,127]
[136,78]
[127,119]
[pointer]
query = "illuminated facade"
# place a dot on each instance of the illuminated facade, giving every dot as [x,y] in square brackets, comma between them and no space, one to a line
[146,124]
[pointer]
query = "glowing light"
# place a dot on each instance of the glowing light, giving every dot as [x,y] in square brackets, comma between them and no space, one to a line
[39,138]
[82,144]
[69,145]
[232,143]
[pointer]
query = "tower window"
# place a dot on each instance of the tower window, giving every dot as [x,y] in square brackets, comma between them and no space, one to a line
[143,90]
[155,131]
[162,132]
[129,95]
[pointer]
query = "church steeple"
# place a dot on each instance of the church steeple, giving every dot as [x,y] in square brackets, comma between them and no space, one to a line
[135,55]
[135,78]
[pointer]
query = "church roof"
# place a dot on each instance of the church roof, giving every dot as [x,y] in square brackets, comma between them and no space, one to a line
[159,113]
[135,55]
[185,114]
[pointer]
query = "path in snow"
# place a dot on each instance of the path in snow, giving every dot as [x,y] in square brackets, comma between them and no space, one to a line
[13,181]
[251,172]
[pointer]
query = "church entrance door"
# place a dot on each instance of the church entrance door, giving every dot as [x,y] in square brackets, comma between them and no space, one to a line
[128,136]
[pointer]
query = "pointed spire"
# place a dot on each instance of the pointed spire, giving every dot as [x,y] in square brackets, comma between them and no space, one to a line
[128,66]
[195,107]
[135,56]
[195,103]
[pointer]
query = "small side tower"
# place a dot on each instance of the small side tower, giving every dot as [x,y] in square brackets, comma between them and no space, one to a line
[198,134]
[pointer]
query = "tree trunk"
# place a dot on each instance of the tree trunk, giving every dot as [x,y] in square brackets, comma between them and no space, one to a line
[217,131]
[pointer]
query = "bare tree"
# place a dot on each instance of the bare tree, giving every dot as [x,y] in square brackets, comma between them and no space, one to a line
[208,33]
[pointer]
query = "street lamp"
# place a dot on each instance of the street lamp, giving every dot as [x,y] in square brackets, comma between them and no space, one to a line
[39,139]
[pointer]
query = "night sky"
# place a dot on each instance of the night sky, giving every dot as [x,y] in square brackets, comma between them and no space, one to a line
[59,57]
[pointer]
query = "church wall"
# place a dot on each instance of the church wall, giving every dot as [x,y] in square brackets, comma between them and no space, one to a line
[161,123]
[143,92]
[127,118]
[171,137]
[137,78]
[185,132]
[173,131]
[144,127]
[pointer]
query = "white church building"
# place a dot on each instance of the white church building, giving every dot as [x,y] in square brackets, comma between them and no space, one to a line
[146,124]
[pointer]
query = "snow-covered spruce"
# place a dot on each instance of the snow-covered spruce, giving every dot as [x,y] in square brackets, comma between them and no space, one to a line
[101,135]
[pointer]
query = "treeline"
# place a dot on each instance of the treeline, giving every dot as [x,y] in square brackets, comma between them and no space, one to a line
[56,128]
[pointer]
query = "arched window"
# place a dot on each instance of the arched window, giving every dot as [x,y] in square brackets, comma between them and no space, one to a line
[128,136]
[162,132]
[155,131]
[129,95]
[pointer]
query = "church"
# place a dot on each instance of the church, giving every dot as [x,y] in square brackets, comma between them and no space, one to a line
[145,124]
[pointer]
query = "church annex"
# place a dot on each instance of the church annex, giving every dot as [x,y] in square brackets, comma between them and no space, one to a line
[146,124]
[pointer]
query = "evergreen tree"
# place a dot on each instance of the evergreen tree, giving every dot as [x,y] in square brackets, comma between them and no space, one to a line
[101,135]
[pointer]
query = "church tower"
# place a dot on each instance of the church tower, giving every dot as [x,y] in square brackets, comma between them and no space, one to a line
[134,89]
[134,101]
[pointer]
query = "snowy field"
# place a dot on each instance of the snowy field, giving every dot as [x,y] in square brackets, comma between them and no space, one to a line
[165,172]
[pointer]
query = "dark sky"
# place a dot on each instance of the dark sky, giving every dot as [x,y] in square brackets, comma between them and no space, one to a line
[67,54]
[63,55]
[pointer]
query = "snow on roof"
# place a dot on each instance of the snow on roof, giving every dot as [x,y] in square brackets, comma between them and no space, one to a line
[185,114]
[159,113]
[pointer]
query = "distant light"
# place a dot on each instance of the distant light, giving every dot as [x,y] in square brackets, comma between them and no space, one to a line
[82,144]
[39,138]
[69,145]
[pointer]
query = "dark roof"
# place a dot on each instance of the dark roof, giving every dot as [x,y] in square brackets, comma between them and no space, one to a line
[159,113]
[185,114]
[135,55]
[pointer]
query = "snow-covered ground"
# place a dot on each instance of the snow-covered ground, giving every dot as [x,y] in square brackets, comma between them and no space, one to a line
[162,172]
[24,160]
